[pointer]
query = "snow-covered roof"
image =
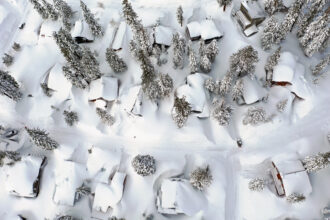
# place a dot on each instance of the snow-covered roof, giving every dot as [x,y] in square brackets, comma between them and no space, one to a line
[21,177]
[283,73]
[48,27]
[81,29]
[58,82]
[105,87]
[163,35]
[102,163]
[244,22]
[174,195]
[120,34]
[68,177]
[109,195]
[250,30]
[131,100]
[151,16]
[194,92]
[253,8]
[252,91]
[206,29]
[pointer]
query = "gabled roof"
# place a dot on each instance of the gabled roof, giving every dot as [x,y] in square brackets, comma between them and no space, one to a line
[252,91]
[105,87]
[81,29]
[253,8]
[163,35]
[120,34]
[206,29]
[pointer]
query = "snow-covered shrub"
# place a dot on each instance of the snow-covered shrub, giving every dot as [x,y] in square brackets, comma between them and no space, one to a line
[211,86]
[16,46]
[9,87]
[144,165]
[271,33]
[179,15]
[105,117]
[205,64]
[116,63]
[255,116]
[281,105]
[295,197]
[321,65]
[272,6]
[181,110]
[201,178]
[243,61]
[7,59]
[257,184]
[91,21]
[41,139]
[70,117]
[222,112]
[316,162]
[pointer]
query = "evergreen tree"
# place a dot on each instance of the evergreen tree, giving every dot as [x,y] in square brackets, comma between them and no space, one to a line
[52,13]
[256,116]
[316,162]
[205,64]
[41,139]
[243,61]
[201,178]
[94,26]
[238,89]
[271,34]
[9,87]
[212,86]
[105,117]
[272,6]
[148,71]
[144,165]
[192,61]
[202,48]
[134,50]
[272,61]
[179,47]
[181,110]
[90,64]
[212,50]
[295,197]
[65,12]
[166,85]
[40,9]
[224,3]
[257,184]
[70,117]
[222,113]
[116,63]
[16,46]
[7,59]
[225,84]
[321,65]
[179,15]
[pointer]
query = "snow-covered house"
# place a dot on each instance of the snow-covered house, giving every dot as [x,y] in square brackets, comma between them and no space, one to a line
[290,177]
[249,16]
[81,32]
[131,100]
[163,35]
[118,40]
[105,88]
[109,195]
[205,29]
[23,177]
[252,92]
[68,177]
[48,28]
[177,196]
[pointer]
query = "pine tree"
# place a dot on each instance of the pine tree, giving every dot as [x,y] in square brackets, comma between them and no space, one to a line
[243,61]
[148,71]
[41,139]
[16,46]
[211,86]
[205,64]
[7,59]
[238,89]
[256,116]
[295,197]
[116,63]
[65,12]
[201,178]
[271,34]
[52,13]
[165,84]
[179,15]
[144,165]
[105,117]
[316,162]
[70,117]
[179,47]
[181,110]
[224,3]
[222,112]
[94,26]
[9,87]
[225,84]
[202,48]
[90,64]
[272,61]
[257,184]
[321,65]
[192,61]
[212,50]
[40,9]
[272,6]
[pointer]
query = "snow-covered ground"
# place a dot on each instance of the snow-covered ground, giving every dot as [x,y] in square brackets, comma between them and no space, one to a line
[300,130]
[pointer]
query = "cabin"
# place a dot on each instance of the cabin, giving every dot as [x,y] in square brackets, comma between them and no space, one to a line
[173,195]
[163,36]
[48,27]
[249,15]
[105,88]
[81,32]
[117,43]
[253,92]
[23,177]
[205,29]
[290,177]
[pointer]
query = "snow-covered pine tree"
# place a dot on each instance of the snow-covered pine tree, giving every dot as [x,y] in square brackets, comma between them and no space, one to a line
[212,50]
[321,65]
[70,117]
[133,49]
[179,48]
[317,162]
[225,84]
[94,26]
[7,59]
[9,87]
[272,6]
[129,14]
[52,13]
[40,9]
[166,85]
[181,110]
[212,86]
[295,197]
[271,34]
[41,139]
[205,64]
[291,18]
[179,15]
[148,71]
[144,165]
[224,3]
[192,60]
[272,61]
[201,178]
[237,91]
[243,61]
[257,184]
[65,12]
[116,63]
[90,64]
[46,90]
[222,112]
[16,46]
[202,48]
[256,116]
[75,74]
[105,117]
